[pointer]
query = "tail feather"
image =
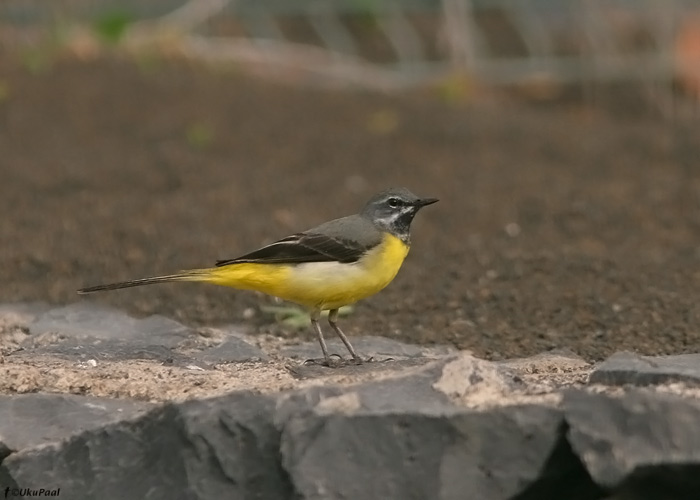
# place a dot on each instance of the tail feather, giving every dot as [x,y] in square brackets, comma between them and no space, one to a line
[196,275]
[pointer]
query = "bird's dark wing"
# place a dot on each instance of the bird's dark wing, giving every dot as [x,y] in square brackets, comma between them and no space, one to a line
[303,247]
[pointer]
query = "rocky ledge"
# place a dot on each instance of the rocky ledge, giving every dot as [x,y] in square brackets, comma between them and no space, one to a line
[101,405]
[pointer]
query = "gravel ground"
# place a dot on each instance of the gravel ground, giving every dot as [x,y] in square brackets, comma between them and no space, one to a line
[568,226]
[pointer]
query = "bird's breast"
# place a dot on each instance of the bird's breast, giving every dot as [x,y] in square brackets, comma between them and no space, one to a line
[329,285]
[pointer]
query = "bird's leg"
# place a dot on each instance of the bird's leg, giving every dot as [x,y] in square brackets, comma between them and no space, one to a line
[314,322]
[332,317]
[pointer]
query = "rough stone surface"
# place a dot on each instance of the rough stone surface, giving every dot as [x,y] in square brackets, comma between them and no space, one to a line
[317,442]
[641,436]
[630,368]
[129,420]
[417,449]
[85,331]
[233,349]
[370,346]
[85,319]
[29,420]
[86,349]
[221,448]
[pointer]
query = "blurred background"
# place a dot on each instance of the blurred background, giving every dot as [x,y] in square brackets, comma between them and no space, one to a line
[139,138]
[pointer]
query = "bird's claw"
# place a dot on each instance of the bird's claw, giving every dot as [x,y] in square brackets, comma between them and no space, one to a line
[337,361]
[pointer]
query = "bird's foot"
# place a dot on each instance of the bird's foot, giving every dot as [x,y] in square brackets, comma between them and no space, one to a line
[337,361]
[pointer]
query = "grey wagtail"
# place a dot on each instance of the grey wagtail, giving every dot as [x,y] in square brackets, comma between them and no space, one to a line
[327,267]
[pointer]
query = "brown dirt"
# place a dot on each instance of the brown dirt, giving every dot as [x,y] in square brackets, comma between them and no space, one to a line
[559,226]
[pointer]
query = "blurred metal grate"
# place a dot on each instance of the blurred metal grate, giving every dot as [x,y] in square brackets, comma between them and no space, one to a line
[402,43]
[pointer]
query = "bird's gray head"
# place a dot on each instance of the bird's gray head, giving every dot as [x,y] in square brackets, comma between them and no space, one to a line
[393,210]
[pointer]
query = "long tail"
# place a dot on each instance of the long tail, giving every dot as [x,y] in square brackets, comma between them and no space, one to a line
[194,275]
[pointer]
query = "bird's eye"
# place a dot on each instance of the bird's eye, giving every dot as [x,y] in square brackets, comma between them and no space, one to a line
[393,202]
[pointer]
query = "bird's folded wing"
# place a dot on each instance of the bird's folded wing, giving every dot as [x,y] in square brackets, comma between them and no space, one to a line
[303,247]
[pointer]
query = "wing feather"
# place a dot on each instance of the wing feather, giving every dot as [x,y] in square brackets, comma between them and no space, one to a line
[303,247]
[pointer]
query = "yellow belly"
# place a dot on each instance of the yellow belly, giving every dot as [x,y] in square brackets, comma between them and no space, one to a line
[319,285]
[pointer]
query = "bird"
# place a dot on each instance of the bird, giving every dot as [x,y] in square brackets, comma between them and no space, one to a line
[321,269]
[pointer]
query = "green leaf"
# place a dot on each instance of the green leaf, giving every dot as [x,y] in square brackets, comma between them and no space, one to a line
[296,317]
[112,25]
[199,135]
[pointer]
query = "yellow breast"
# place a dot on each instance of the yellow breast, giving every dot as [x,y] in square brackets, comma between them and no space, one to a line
[322,285]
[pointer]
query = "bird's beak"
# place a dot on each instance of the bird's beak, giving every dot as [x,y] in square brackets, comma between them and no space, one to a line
[425,201]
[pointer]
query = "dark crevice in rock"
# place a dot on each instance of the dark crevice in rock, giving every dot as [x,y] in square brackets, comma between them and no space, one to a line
[4,451]
[641,445]
[661,482]
[6,479]
[563,476]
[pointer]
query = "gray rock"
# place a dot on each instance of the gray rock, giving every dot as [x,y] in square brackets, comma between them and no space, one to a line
[233,349]
[637,441]
[405,438]
[28,420]
[129,459]
[629,368]
[218,448]
[84,319]
[452,428]
[234,448]
[115,350]
[85,331]
[159,330]
[419,454]
[87,320]
[378,347]
[405,392]
[443,383]
[223,344]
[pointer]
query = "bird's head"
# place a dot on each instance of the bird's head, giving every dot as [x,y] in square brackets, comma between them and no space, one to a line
[393,210]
